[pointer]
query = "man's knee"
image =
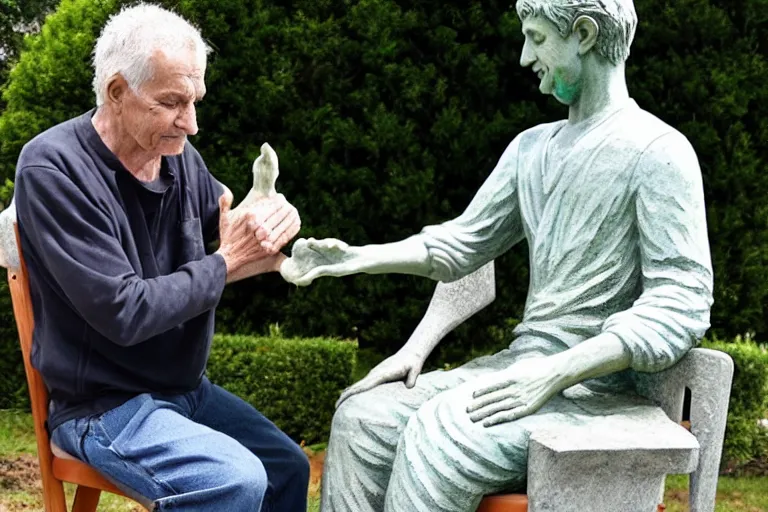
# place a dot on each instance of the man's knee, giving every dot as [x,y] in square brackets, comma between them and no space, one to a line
[247,480]
[298,462]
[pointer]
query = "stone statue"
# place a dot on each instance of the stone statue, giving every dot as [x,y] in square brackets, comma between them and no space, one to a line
[611,204]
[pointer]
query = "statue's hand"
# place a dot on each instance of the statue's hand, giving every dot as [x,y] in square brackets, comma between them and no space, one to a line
[404,365]
[312,258]
[515,392]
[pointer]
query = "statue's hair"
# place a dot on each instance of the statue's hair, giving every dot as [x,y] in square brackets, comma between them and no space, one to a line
[616,19]
[130,38]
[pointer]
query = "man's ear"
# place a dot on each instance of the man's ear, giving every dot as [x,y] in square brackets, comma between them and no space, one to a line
[116,89]
[587,30]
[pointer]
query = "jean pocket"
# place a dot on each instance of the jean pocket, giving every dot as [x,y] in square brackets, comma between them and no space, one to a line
[113,427]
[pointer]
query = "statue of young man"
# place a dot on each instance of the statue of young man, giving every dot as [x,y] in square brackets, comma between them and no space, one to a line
[611,204]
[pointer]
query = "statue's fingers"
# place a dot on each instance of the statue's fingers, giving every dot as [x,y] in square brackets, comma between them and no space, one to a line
[488,399]
[494,408]
[490,388]
[287,229]
[369,382]
[507,416]
[350,391]
[413,374]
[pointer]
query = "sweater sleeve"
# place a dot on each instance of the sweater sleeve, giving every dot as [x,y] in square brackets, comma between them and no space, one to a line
[489,227]
[672,313]
[75,241]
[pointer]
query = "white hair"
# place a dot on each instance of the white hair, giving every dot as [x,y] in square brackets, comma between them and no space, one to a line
[616,19]
[131,37]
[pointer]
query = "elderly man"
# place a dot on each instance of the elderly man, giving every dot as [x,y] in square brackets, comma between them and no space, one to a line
[116,210]
[611,204]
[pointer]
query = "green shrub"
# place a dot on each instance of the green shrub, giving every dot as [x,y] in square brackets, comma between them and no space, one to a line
[293,382]
[745,440]
[388,114]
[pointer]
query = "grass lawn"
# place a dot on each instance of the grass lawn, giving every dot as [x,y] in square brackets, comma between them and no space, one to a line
[20,488]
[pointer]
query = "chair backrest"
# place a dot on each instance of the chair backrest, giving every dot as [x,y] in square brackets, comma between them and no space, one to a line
[18,282]
[707,373]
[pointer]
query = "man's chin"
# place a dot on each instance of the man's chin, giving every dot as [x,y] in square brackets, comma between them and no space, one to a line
[173,147]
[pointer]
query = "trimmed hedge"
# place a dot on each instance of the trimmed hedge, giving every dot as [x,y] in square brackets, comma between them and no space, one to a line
[293,382]
[745,440]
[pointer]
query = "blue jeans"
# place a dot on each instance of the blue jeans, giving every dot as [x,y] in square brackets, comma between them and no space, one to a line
[203,450]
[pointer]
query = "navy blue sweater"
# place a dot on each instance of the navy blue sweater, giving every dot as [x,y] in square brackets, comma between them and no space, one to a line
[120,307]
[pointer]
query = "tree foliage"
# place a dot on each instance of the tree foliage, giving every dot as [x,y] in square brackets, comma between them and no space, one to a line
[18,17]
[388,114]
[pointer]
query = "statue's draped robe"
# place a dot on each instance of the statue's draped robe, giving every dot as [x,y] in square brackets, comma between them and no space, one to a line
[617,238]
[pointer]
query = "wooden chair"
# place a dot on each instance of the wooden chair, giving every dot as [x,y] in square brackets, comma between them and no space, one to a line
[59,467]
[504,503]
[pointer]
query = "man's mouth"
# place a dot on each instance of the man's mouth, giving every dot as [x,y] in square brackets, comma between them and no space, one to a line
[540,73]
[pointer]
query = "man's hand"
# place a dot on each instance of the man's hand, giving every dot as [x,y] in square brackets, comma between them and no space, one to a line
[515,392]
[240,236]
[273,219]
[252,236]
[312,258]
[404,365]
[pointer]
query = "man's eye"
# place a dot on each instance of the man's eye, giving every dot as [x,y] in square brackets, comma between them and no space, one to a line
[539,39]
[169,104]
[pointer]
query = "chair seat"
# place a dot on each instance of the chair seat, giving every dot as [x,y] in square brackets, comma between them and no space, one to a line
[504,503]
[76,472]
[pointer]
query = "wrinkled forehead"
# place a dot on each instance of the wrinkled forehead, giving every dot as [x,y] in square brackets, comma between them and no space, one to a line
[183,70]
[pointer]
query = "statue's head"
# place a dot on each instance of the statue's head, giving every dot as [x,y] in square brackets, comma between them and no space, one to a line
[560,35]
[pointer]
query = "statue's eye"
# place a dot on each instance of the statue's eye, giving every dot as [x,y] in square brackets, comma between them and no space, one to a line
[539,38]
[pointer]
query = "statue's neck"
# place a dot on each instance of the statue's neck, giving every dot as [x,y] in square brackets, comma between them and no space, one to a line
[604,90]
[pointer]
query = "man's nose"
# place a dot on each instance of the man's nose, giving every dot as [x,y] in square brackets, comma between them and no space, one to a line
[527,56]
[187,119]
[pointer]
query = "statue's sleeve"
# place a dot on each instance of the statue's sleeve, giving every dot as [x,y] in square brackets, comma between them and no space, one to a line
[489,226]
[671,314]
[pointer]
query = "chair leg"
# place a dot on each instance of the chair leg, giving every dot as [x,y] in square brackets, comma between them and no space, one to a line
[86,499]
[53,495]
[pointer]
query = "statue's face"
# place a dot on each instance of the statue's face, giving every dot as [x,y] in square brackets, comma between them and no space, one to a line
[554,59]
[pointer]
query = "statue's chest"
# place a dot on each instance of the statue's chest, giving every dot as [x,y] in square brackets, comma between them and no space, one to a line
[565,184]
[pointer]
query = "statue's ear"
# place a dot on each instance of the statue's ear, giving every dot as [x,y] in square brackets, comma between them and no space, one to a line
[586,29]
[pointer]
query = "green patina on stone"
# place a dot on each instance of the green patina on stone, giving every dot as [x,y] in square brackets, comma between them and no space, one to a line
[566,88]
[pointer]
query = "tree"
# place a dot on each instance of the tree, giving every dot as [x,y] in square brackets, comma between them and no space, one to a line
[17,18]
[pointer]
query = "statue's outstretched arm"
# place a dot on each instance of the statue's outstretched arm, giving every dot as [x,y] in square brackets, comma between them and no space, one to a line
[312,258]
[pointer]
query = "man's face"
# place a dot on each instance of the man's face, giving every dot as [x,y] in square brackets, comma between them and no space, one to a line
[161,114]
[554,59]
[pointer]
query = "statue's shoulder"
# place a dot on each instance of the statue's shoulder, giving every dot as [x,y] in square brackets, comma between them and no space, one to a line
[641,129]
[538,133]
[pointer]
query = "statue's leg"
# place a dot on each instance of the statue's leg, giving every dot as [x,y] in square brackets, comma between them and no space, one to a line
[447,463]
[366,430]
[364,436]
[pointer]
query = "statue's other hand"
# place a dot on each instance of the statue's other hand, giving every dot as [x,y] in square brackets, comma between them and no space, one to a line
[312,258]
[517,391]
[402,366]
